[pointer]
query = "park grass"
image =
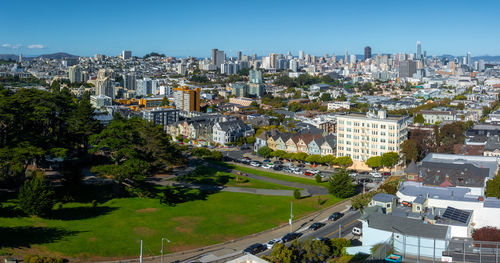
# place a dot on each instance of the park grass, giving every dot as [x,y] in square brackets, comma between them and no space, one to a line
[254,183]
[278,176]
[115,228]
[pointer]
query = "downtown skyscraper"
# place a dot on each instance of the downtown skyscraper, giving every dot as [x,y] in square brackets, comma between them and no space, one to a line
[419,50]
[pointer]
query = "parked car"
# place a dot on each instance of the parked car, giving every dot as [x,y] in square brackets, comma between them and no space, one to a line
[353,174]
[287,170]
[307,173]
[278,162]
[267,166]
[356,231]
[266,161]
[301,165]
[297,171]
[316,226]
[386,174]
[278,167]
[335,216]
[271,243]
[290,236]
[375,174]
[255,248]
[255,163]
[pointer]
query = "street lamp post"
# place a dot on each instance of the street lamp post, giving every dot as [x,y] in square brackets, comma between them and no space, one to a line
[162,239]
[291,216]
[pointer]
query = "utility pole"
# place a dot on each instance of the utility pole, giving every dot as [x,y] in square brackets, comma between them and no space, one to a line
[291,216]
[140,257]
[162,247]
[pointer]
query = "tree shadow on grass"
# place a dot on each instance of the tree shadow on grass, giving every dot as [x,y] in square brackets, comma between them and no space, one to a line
[78,213]
[26,236]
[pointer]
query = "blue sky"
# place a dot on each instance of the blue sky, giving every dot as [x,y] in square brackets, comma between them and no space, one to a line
[192,27]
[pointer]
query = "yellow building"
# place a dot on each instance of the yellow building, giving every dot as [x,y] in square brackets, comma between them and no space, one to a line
[187,99]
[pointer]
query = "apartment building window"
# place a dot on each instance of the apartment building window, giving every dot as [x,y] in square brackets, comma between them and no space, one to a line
[341,122]
[391,134]
[348,129]
[356,150]
[391,127]
[382,133]
[374,125]
[382,140]
[341,141]
[348,136]
[374,140]
[374,146]
[356,124]
[374,132]
[341,148]
[382,147]
[341,129]
[341,135]
[348,142]
[356,130]
[375,153]
[356,137]
[349,123]
[391,148]
[348,149]
[356,143]
[382,126]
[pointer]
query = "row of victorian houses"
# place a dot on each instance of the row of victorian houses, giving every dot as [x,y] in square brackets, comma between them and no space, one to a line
[210,129]
[310,141]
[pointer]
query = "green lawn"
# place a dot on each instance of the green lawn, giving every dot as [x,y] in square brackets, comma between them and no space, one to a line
[114,228]
[283,177]
[253,183]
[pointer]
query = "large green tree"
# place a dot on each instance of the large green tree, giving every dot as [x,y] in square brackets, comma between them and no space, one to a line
[390,159]
[340,184]
[374,161]
[264,151]
[409,148]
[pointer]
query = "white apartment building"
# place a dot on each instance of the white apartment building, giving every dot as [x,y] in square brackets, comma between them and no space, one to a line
[363,136]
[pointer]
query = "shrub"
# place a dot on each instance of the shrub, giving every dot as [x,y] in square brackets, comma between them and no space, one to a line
[36,197]
[296,194]
[318,178]
[487,233]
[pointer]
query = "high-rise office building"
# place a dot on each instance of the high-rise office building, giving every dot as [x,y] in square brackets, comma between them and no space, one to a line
[301,54]
[126,54]
[294,65]
[105,86]
[75,74]
[469,61]
[334,58]
[20,57]
[220,58]
[214,56]
[181,69]
[353,59]
[419,50]
[346,61]
[255,76]
[129,81]
[187,99]
[239,55]
[273,57]
[407,68]
[368,52]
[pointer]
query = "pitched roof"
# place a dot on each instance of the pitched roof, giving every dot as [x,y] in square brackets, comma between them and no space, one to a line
[412,168]
[381,197]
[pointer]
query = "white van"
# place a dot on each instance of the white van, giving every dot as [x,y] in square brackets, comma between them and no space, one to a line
[356,231]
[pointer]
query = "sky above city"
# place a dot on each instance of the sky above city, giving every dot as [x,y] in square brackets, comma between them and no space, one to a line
[193,28]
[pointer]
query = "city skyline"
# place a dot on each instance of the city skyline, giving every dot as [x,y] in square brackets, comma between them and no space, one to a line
[177,29]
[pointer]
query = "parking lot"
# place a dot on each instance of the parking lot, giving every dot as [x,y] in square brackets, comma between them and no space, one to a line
[302,169]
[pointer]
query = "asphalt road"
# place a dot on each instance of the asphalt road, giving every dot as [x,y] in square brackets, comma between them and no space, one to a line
[331,230]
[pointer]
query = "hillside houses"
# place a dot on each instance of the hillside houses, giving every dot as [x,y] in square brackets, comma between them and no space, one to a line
[306,142]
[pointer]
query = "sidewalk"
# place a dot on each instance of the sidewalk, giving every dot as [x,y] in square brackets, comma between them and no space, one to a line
[234,246]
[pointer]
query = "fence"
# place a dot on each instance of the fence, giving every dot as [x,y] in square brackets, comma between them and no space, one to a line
[468,250]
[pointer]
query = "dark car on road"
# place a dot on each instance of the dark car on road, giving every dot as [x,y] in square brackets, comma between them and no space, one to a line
[335,216]
[290,236]
[316,226]
[255,248]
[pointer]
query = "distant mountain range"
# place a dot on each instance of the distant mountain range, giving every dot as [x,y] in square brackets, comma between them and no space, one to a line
[59,55]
